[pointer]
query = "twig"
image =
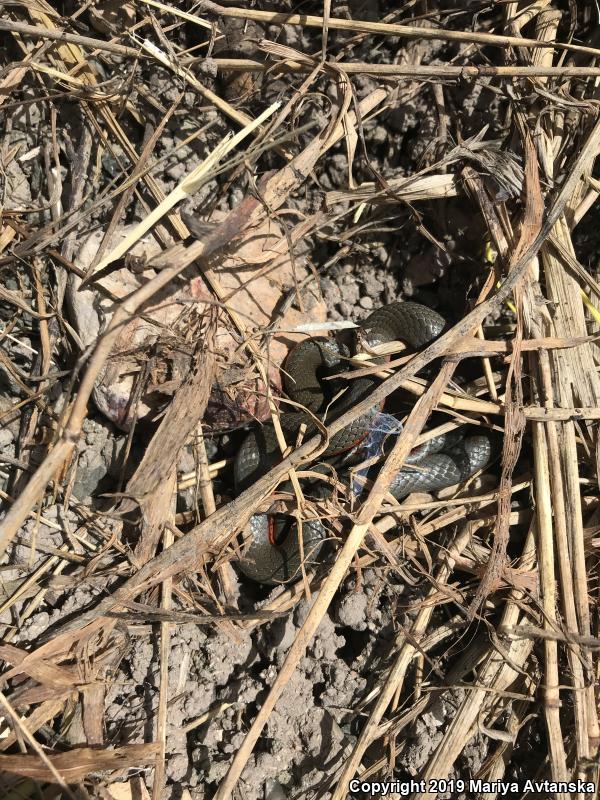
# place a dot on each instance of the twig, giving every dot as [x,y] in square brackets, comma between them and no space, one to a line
[163,696]
[388,29]
[412,71]
[70,38]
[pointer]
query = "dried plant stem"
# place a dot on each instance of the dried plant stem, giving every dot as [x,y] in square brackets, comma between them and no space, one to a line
[514,421]
[577,556]
[547,580]
[39,32]
[567,377]
[561,536]
[387,29]
[412,71]
[204,484]
[161,718]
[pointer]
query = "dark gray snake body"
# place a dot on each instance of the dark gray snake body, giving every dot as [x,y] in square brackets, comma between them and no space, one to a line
[272,554]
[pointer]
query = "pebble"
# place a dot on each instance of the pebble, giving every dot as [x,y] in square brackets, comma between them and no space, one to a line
[373,287]
[350,290]
[366,303]
[345,310]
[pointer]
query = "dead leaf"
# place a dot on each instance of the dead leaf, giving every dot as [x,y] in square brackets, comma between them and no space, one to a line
[254,278]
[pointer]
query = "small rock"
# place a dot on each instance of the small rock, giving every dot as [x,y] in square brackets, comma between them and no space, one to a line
[366,303]
[373,287]
[331,292]
[350,290]
[351,611]
[186,462]
[345,309]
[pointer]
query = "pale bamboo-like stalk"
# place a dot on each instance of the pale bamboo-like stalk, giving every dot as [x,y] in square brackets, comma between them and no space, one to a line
[576,377]
[546,513]
[178,12]
[576,657]
[543,507]
[414,71]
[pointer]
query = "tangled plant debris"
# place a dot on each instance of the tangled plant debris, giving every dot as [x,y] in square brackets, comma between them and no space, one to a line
[188,190]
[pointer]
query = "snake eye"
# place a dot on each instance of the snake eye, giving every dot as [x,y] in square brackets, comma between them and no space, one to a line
[280,527]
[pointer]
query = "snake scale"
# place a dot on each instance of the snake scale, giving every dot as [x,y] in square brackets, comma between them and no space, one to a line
[273,552]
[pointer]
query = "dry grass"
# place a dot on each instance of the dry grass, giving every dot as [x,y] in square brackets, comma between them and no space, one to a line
[538,610]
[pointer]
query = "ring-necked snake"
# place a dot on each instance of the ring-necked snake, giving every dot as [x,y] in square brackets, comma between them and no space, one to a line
[272,553]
